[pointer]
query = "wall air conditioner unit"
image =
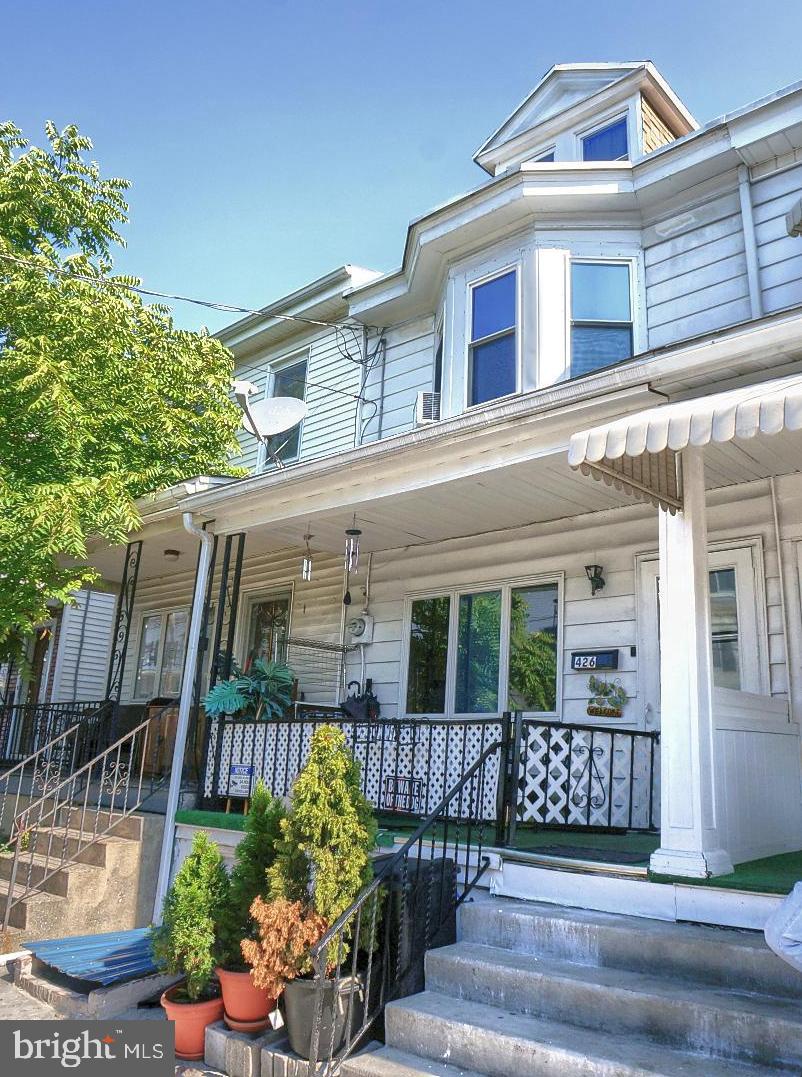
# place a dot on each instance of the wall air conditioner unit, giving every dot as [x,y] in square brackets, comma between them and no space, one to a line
[427,408]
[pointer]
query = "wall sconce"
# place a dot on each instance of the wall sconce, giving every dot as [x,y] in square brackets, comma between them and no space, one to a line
[594,574]
[172,555]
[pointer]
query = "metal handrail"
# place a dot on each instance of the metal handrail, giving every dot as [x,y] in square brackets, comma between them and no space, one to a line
[113,770]
[431,835]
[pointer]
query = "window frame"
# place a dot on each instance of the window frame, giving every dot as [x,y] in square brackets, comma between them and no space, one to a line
[579,259]
[163,613]
[596,129]
[506,587]
[470,343]
[278,366]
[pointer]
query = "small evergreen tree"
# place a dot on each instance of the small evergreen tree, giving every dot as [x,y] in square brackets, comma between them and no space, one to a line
[254,855]
[184,943]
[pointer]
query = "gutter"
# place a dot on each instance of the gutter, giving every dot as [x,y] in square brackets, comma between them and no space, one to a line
[206,540]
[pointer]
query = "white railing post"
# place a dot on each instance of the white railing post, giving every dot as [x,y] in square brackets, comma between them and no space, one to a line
[690,842]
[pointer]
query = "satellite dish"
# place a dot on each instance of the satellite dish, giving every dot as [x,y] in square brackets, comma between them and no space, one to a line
[276,415]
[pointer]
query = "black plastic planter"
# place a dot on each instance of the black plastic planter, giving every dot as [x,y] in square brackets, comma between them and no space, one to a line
[339,996]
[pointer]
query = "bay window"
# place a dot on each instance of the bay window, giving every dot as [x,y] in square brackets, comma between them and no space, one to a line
[482,652]
[493,348]
[601,315]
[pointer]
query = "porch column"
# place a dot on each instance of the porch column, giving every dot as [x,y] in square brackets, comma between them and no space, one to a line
[690,843]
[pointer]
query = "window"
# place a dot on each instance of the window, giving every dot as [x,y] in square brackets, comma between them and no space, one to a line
[437,380]
[291,381]
[268,627]
[533,648]
[493,350]
[545,158]
[601,315]
[428,652]
[607,144]
[481,652]
[724,624]
[478,644]
[162,647]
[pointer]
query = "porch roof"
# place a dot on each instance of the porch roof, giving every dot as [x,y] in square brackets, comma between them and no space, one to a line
[638,453]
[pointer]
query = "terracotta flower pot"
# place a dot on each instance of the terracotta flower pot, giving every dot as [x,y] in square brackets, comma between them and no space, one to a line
[191,1019]
[247,1008]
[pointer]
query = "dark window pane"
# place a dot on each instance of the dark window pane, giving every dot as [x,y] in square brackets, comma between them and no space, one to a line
[438,367]
[478,638]
[533,648]
[428,652]
[492,369]
[600,292]
[609,144]
[291,381]
[493,306]
[148,661]
[268,628]
[545,158]
[597,346]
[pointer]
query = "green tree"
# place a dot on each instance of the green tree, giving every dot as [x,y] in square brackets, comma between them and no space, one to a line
[102,398]
[252,857]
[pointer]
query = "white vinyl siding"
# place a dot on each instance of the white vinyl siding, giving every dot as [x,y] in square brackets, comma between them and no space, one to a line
[779,255]
[84,645]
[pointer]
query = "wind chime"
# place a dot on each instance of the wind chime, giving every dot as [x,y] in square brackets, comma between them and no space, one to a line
[352,536]
[306,564]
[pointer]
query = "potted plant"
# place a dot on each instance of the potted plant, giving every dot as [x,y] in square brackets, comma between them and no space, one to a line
[247,1007]
[184,944]
[607,698]
[322,863]
[262,691]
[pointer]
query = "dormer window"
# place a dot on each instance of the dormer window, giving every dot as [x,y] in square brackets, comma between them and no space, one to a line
[609,143]
[601,315]
[493,347]
[545,158]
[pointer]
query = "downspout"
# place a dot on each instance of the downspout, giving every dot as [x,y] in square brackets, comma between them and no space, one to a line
[206,540]
[750,241]
[783,604]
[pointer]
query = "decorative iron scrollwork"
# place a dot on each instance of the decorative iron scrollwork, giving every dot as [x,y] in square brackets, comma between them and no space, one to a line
[114,777]
[122,621]
[594,776]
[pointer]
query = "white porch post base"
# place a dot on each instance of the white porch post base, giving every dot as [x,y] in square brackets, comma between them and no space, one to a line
[690,864]
[690,841]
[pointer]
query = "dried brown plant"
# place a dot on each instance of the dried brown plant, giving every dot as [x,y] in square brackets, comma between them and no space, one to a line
[287,932]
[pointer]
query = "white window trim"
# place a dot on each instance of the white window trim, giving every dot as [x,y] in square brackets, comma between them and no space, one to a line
[596,126]
[164,613]
[635,306]
[472,284]
[506,587]
[275,367]
[248,600]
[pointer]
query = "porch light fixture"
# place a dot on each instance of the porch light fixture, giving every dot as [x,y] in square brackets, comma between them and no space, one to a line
[172,555]
[594,574]
[306,564]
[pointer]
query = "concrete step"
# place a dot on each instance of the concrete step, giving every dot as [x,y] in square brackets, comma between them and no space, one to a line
[498,1043]
[31,871]
[690,1016]
[390,1062]
[74,844]
[33,914]
[127,826]
[713,955]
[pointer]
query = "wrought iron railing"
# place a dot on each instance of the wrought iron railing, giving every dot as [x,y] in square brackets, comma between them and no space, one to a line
[27,727]
[584,776]
[407,765]
[78,805]
[53,761]
[374,952]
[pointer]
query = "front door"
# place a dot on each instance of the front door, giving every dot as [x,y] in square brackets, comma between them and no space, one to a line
[268,627]
[738,651]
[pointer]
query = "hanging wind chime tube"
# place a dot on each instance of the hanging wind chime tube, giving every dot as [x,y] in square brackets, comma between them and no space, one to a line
[306,564]
[352,536]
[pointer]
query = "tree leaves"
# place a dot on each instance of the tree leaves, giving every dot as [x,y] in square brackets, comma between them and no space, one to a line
[102,399]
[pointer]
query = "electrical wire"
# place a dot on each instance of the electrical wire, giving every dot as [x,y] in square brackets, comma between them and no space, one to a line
[225,307]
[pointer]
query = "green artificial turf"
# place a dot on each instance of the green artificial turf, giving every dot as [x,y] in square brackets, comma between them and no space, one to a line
[771,875]
[219,819]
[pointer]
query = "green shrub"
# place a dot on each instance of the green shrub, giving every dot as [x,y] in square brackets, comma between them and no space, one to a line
[184,943]
[253,856]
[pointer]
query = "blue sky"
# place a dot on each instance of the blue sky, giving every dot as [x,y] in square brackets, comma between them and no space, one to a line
[269,142]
